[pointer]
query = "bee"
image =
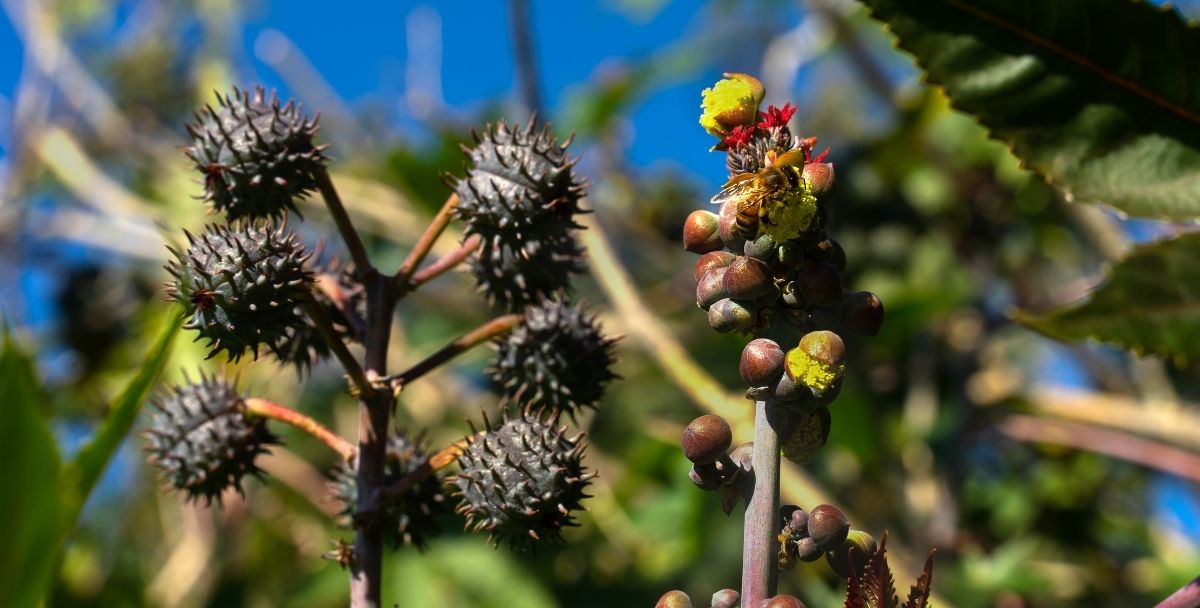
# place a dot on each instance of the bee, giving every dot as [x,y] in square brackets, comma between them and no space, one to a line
[774,198]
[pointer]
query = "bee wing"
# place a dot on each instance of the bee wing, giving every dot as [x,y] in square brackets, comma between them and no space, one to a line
[739,187]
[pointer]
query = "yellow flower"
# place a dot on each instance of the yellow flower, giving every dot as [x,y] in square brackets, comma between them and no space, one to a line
[817,362]
[733,101]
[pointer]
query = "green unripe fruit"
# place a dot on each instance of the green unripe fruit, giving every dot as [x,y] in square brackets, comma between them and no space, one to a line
[711,288]
[819,283]
[855,551]
[706,439]
[789,254]
[761,363]
[820,180]
[728,315]
[700,233]
[748,278]
[862,313]
[828,527]
[711,261]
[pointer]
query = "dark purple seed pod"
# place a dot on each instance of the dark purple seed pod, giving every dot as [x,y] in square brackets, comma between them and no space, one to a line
[782,601]
[711,261]
[700,234]
[711,288]
[862,313]
[202,441]
[706,439]
[855,551]
[763,247]
[828,527]
[748,278]
[728,315]
[820,284]
[795,396]
[727,227]
[807,550]
[820,179]
[521,480]
[725,598]
[761,363]
[674,599]
[257,155]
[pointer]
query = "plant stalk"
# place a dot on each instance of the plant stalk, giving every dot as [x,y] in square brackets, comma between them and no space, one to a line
[487,332]
[424,244]
[366,567]
[333,201]
[760,533]
[287,415]
[1187,596]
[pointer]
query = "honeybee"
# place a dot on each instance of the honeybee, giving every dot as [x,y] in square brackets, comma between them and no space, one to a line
[774,199]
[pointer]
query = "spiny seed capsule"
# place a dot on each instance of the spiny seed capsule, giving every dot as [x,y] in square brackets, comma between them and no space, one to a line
[257,156]
[761,363]
[303,345]
[201,439]
[521,480]
[706,439]
[729,315]
[858,547]
[748,278]
[674,599]
[820,180]
[240,286]
[725,598]
[557,359]
[827,526]
[711,288]
[727,227]
[782,601]
[863,313]
[700,232]
[820,284]
[806,435]
[711,261]
[521,196]
[410,518]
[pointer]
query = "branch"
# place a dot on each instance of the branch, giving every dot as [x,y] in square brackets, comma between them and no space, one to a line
[315,312]
[358,252]
[1187,596]
[287,415]
[760,541]
[526,60]
[439,460]
[329,285]
[445,264]
[484,333]
[424,244]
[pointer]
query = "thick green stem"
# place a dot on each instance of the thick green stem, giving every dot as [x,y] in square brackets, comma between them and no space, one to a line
[760,533]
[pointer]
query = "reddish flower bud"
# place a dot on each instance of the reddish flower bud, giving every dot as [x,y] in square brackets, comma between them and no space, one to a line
[748,278]
[820,179]
[674,599]
[820,284]
[727,227]
[706,439]
[711,260]
[782,601]
[711,288]
[700,233]
[863,313]
[762,362]
[727,315]
[828,526]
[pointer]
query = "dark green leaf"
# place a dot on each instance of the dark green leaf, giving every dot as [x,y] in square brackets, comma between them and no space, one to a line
[1150,303]
[1102,97]
[29,466]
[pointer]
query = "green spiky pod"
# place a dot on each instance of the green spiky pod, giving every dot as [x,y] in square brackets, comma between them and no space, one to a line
[201,439]
[411,517]
[257,155]
[521,480]
[303,345]
[520,196]
[240,286]
[557,359]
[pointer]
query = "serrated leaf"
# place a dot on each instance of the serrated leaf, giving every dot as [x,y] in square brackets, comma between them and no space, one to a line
[1102,97]
[875,587]
[1150,302]
[918,596]
[29,466]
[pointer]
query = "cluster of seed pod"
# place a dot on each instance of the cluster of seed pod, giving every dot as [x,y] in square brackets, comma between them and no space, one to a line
[725,598]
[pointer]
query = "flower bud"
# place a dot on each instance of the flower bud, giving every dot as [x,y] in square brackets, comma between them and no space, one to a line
[828,527]
[762,362]
[817,361]
[706,439]
[820,284]
[795,396]
[743,456]
[710,261]
[725,598]
[762,247]
[796,520]
[729,315]
[711,288]
[706,477]
[731,102]
[856,549]
[820,180]
[782,601]
[863,313]
[674,599]
[807,550]
[805,436]
[700,232]
[748,278]
[828,251]
[727,227]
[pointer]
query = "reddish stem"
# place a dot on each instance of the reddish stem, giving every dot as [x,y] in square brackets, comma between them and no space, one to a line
[287,415]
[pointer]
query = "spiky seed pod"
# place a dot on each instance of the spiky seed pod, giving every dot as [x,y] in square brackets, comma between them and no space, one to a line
[410,518]
[257,155]
[520,195]
[752,158]
[557,359]
[239,286]
[303,345]
[521,480]
[201,439]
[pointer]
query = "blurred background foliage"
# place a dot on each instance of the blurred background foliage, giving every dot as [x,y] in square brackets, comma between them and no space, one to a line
[949,432]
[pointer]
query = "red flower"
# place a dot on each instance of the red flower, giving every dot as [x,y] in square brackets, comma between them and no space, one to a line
[739,136]
[776,117]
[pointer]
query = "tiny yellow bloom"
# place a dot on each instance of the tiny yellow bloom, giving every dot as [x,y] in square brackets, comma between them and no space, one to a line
[732,101]
[805,368]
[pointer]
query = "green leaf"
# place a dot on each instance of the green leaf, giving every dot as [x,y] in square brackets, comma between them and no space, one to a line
[85,469]
[1102,97]
[1150,303]
[29,466]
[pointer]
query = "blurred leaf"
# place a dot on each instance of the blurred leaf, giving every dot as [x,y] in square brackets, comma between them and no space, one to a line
[1098,96]
[89,463]
[1150,303]
[464,572]
[29,466]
